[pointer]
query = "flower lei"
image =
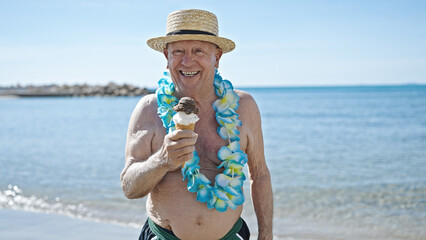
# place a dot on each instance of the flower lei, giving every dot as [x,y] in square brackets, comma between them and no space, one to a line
[226,191]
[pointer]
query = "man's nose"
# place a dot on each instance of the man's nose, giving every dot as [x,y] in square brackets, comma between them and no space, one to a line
[188,60]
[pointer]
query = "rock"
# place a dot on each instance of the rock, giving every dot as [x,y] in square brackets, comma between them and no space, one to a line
[111,89]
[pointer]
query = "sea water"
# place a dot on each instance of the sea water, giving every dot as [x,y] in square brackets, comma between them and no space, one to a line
[346,162]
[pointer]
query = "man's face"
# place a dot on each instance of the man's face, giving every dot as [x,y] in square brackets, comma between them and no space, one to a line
[192,63]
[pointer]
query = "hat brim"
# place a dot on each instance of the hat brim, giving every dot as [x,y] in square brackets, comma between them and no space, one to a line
[160,43]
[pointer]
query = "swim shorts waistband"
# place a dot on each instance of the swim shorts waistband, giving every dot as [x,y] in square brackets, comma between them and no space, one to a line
[165,234]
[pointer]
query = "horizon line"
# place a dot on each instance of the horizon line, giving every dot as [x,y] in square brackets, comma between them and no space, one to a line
[236,85]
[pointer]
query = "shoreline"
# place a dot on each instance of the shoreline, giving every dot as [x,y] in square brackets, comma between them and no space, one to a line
[19,224]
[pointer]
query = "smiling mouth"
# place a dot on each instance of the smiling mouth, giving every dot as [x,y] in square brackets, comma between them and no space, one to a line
[188,74]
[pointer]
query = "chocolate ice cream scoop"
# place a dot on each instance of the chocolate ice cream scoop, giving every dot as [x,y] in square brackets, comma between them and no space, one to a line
[186,114]
[187,105]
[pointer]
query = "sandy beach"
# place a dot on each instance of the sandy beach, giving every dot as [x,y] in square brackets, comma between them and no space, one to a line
[17,225]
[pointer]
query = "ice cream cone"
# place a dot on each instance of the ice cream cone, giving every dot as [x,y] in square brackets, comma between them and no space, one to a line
[185,127]
[186,115]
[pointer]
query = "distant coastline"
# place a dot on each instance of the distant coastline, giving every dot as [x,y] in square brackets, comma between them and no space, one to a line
[77,90]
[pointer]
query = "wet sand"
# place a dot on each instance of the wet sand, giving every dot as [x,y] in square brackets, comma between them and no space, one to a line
[17,225]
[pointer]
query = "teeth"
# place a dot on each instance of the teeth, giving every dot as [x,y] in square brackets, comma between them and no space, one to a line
[189,73]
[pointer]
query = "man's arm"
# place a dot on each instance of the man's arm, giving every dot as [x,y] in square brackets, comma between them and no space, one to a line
[144,167]
[260,179]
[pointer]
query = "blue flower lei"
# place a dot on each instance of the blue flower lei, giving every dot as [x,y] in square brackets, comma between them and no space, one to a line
[227,190]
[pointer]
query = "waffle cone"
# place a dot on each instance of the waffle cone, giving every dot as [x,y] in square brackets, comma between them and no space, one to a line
[185,127]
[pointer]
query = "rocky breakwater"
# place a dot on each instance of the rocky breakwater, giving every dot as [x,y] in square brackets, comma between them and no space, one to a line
[83,90]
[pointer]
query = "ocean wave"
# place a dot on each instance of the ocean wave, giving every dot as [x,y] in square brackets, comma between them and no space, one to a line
[14,198]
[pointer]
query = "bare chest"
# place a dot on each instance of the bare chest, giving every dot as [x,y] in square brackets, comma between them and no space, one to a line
[208,142]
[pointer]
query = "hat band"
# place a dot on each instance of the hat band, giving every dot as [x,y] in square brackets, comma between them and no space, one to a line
[185,32]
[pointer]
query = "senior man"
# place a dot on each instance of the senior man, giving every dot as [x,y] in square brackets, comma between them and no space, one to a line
[207,204]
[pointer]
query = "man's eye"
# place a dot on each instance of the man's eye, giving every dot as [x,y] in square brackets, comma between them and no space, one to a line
[177,52]
[199,51]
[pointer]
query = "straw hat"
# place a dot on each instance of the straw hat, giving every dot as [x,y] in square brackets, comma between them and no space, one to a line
[191,24]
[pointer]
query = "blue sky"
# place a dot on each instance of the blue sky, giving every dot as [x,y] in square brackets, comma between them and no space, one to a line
[279,43]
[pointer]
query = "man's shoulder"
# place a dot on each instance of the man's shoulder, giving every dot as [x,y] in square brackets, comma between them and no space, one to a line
[146,107]
[147,102]
[149,98]
[248,109]
[246,98]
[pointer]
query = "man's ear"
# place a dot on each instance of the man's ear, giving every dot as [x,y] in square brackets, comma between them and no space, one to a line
[218,55]
[166,54]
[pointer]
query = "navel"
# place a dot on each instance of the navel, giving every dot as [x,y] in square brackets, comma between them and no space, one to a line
[199,220]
